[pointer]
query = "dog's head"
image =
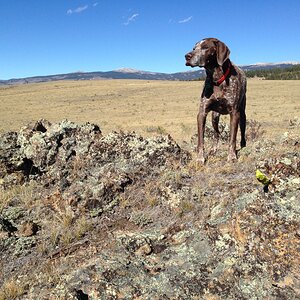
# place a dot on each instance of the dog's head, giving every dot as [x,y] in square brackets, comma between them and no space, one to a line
[208,52]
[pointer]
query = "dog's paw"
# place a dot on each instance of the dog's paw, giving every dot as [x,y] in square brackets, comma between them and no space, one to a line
[232,157]
[200,160]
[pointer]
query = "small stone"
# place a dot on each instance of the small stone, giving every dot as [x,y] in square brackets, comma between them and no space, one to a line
[144,250]
[29,229]
[286,161]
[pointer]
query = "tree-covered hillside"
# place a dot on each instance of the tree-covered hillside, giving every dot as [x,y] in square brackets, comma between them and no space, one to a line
[276,73]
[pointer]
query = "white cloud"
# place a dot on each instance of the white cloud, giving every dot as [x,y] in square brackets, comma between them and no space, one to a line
[131,19]
[95,4]
[77,10]
[186,20]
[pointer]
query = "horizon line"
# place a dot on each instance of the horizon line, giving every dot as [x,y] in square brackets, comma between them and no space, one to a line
[133,70]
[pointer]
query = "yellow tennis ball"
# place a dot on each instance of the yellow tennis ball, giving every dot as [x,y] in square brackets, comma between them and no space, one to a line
[262,178]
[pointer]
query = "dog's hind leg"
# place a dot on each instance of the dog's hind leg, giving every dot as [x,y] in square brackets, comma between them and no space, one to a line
[243,122]
[234,124]
[215,117]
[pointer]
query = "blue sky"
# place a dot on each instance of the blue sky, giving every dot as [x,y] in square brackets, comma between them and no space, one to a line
[42,37]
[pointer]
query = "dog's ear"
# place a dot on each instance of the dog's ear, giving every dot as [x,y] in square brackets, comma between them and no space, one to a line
[222,52]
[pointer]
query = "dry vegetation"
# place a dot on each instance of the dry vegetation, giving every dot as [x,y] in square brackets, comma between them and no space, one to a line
[179,198]
[144,106]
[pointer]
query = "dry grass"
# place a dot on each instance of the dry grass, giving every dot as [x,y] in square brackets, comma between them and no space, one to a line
[11,290]
[65,230]
[25,194]
[144,106]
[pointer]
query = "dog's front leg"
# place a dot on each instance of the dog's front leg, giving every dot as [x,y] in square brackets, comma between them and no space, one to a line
[201,119]
[234,122]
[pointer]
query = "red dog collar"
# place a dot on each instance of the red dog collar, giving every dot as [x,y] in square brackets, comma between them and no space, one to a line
[224,75]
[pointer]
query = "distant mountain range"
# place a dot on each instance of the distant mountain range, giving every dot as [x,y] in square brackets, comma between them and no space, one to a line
[137,74]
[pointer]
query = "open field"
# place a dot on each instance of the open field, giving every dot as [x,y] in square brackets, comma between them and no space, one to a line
[143,106]
[128,215]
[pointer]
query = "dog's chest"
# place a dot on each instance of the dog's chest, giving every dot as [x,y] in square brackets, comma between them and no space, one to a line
[219,93]
[222,99]
[226,92]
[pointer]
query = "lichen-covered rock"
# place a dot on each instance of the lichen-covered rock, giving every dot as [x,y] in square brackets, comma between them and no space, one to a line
[89,170]
[121,216]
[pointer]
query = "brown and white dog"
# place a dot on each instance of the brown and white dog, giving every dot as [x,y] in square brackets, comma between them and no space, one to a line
[224,92]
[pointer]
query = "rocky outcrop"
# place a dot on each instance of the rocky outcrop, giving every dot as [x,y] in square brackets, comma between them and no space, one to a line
[84,167]
[119,216]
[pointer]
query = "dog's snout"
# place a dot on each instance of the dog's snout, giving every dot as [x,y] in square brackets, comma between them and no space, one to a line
[188,56]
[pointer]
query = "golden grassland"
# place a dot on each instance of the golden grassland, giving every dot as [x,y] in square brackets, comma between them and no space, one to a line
[144,106]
